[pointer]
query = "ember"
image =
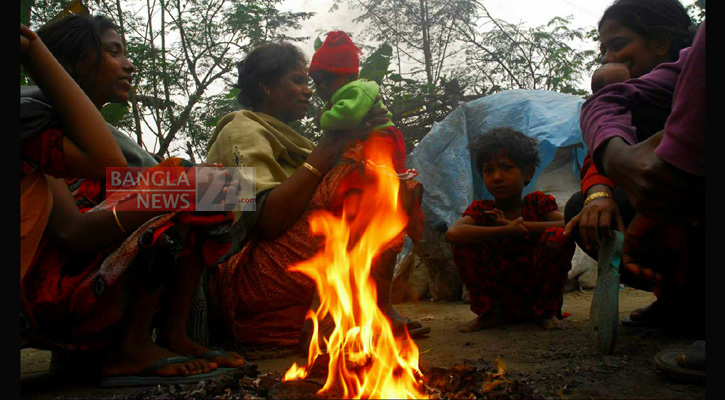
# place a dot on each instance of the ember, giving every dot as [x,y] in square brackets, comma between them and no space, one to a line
[477,380]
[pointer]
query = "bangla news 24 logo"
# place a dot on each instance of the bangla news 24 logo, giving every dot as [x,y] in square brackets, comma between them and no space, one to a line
[199,188]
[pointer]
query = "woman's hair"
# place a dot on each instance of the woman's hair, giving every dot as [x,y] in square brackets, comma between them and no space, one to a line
[654,19]
[520,148]
[71,38]
[265,65]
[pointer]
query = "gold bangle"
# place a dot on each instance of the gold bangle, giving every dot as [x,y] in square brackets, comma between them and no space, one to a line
[312,169]
[115,216]
[595,195]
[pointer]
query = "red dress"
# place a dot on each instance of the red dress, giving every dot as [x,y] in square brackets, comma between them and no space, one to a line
[523,278]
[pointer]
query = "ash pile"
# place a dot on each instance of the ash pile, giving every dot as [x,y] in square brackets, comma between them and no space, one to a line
[479,379]
[242,383]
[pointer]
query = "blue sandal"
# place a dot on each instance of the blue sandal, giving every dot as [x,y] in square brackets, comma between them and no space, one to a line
[147,378]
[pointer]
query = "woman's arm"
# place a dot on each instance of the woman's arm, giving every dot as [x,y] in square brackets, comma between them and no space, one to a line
[606,116]
[465,231]
[90,231]
[286,203]
[89,147]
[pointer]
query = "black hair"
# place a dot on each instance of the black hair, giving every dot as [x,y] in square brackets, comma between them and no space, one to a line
[71,38]
[654,19]
[520,148]
[265,65]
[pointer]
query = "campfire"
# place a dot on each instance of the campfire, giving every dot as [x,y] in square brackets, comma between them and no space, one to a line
[363,357]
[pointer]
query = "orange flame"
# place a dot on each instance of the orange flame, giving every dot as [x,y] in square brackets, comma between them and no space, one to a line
[365,358]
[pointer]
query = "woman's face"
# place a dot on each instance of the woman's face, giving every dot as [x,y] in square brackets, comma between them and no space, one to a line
[622,45]
[289,98]
[110,79]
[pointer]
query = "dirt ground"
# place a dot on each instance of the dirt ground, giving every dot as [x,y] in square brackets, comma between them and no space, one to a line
[559,364]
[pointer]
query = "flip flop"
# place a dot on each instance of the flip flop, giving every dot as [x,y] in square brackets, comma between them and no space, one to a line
[604,312]
[147,377]
[646,318]
[213,353]
[415,328]
[420,332]
[683,364]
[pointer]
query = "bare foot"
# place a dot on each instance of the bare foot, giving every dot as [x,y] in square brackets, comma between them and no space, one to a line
[132,359]
[552,323]
[189,347]
[479,323]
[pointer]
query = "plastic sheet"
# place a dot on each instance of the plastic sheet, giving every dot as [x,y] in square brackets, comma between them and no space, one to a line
[444,164]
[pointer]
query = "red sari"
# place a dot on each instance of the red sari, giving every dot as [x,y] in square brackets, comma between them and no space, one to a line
[40,154]
[77,301]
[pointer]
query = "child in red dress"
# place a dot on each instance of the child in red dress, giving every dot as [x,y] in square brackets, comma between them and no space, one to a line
[511,251]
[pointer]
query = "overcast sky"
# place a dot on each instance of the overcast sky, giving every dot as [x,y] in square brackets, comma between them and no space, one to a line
[584,13]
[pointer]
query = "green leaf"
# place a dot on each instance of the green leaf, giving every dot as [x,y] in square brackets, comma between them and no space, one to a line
[318,43]
[114,112]
[376,66]
[233,93]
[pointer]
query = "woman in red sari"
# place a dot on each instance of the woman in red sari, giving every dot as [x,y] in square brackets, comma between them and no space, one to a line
[98,278]
[260,301]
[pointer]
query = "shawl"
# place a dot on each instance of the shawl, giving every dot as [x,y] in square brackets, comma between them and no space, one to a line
[257,140]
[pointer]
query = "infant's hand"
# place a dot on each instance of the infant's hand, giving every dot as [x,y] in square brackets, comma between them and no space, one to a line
[610,73]
[376,116]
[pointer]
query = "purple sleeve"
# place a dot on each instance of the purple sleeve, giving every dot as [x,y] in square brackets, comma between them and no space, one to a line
[683,143]
[607,113]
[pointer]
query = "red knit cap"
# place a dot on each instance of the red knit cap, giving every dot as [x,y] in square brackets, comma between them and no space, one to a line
[338,55]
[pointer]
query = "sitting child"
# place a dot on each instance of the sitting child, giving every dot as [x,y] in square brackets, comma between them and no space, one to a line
[335,71]
[511,251]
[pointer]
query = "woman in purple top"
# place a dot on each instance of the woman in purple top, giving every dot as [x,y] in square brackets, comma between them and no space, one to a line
[640,40]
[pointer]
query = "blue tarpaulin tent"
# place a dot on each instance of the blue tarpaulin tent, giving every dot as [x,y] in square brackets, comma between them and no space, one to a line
[444,163]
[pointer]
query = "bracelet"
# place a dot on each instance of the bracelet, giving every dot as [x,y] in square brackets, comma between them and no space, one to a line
[312,169]
[595,195]
[115,216]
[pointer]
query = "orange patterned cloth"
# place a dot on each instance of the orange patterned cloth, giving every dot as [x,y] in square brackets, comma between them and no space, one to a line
[40,154]
[78,301]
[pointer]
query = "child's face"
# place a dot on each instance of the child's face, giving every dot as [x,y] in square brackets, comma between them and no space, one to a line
[503,178]
[327,84]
